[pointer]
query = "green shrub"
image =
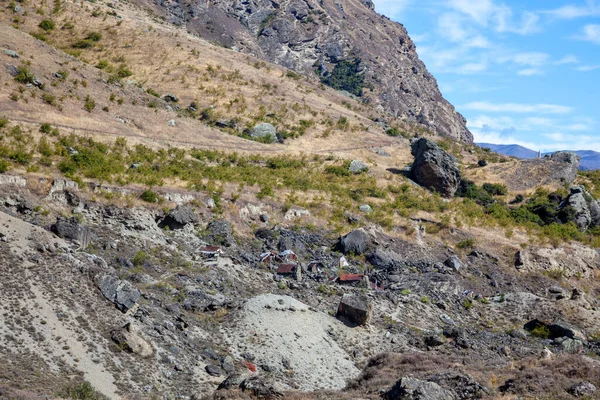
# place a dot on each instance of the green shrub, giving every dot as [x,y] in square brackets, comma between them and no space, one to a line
[541,331]
[149,196]
[293,75]
[4,165]
[346,76]
[81,391]
[495,189]
[47,24]
[140,258]
[24,75]
[94,36]
[89,104]
[3,122]
[466,243]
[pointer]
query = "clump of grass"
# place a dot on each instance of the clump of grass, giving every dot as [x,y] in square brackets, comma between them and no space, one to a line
[47,24]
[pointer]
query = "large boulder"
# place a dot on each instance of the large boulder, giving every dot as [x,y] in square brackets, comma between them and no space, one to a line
[357,167]
[414,389]
[121,293]
[71,229]
[264,130]
[220,232]
[355,309]
[128,338]
[433,168]
[355,242]
[179,217]
[581,208]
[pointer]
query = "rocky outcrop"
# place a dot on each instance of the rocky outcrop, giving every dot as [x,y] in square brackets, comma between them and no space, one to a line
[433,168]
[121,293]
[581,208]
[314,35]
[220,232]
[355,309]
[179,217]
[71,229]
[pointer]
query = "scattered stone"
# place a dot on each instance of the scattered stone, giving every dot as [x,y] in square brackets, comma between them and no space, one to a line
[12,70]
[365,208]
[357,167]
[179,217]
[582,389]
[261,388]
[356,309]
[170,98]
[213,370]
[482,163]
[171,122]
[128,338]
[264,130]
[10,53]
[445,318]
[454,263]
[227,364]
[433,168]
[264,218]
[463,385]
[434,340]
[295,213]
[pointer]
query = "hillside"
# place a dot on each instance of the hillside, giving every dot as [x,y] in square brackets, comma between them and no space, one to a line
[590,160]
[180,219]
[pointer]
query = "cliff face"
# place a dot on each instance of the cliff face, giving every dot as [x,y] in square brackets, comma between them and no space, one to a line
[313,36]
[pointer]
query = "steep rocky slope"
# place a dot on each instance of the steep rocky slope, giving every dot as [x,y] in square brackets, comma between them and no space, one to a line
[313,37]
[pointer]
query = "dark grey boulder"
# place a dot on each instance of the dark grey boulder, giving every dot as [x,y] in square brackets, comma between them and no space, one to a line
[220,232]
[464,386]
[355,309]
[179,217]
[383,259]
[170,98]
[454,263]
[121,293]
[261,388]
[355,242]
[433,168]
[213,370]
[414,389]
[71,229]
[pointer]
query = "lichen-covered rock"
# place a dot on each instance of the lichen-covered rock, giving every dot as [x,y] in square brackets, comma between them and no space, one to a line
[71,229]
[433,168]
[220,232]
[264,130]
[357,167]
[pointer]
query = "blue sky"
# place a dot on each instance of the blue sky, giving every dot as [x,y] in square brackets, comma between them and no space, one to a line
[524,72]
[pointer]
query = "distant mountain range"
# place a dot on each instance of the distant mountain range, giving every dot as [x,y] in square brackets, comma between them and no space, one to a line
[589,159]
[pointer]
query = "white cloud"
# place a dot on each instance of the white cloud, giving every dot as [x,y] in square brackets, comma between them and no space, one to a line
[486,12]
[530,72]
[568,59]
[530,59]
[587,68]
[572,11]
[471,68]
[391,8]
[517,108]
[591,33]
